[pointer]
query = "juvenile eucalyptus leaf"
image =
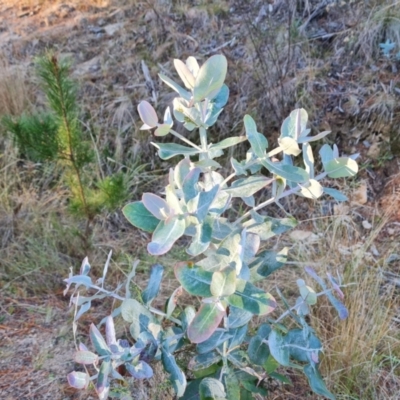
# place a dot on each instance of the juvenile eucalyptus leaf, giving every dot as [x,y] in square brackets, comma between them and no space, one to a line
[138,215]
[210,77]
[177,377]
[326,154]
[156,205]
[312,189]
[270,227]
[341,167]
[212,389]
[258,350]
[78,380]
[232,386]
[110,331]
[194,279]
[98,341]
[216,339]
[205,201]
[269,261]
[190,184]
[173,85]
[238,167]
[187,317]
[202,238]
[238,336]
[229,142]
[252,299]
[258,141]
[277,347]
[141,370]
[148,115]
[307,293]
[193,65]
[338,196]
[238,317]
[289,146]
[295,124]
[223,283]
[205,322]
[308,139]
[221,98]
[185,74]
[162,130]
[165,235]
[153,286]
[247,186]
[102,384]
[169,150]
[301,344]
[316,383]
[204,360]
[308,159]
[86,357]
[289,172]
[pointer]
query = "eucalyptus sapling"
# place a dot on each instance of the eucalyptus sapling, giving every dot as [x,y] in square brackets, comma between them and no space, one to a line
[226,257]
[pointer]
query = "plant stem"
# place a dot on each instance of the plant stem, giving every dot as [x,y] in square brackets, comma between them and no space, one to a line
[179,136]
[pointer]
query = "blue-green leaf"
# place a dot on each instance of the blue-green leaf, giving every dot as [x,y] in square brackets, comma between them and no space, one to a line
[210,77]
[154,283]
[169,150]
[336,194]
[269,261]
[138,215]
[194,279]
[156,205]
[251,298]
[205,322]
[224,144]
[98,342]
[177,377]
[258,141]
[179,89]
[216,339]
[141,370]
[201,239]
[247,186]
[277,347]
[289,172]
[316,383]
[341,167]
[295,124]
[204,360]
[212,389]
[85,357]
[165,235]
[238,317]
[102,384]
[270,227]
[78,380]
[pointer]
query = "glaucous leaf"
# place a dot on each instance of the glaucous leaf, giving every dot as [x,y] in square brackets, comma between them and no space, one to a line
[102,384]
[258,141]
[138,215]
[238,336]
[307,139]
[190,184]
[86,357]
[169,150]
[193,65]
[277,347]
[173,85]
[98,341]
[341,167]
[289,146]
[205,201]
[312,189]
[148,115]
[212,389]
[78,380]
[247,186]
[270,227]
[141,370]
[216,339]
[308,159]
[336,194]
[258,350]
[306,292]
[298,339]
[204,360]
[238,317]
[269,261]
[156,205]
[316,383]
[162,130]
[185,74]
[187,317]
[153,286]
[289,172]
[205,322]
[252,299]
[295,124]
[165,235]
[221,98]
[194,279]
[229,142]
[326,154]
[223,283]
[210,77]
[110,331]
[202,238]
[177,377]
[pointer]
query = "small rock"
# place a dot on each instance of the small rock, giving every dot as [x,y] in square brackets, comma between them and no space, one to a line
[366,225]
